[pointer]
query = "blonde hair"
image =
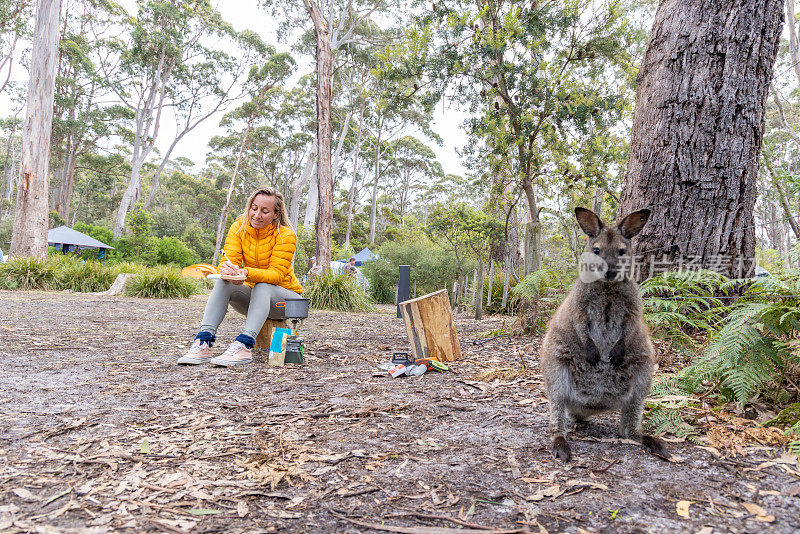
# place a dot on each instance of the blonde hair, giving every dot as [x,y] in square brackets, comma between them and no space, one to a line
[279,207]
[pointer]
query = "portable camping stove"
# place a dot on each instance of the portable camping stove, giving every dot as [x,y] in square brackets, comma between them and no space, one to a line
[296,310]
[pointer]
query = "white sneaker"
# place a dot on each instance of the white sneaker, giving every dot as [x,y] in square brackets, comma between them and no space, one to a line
[199,353]
[235,354]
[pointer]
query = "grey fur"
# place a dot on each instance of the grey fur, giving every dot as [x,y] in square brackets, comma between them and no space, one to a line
[597,355]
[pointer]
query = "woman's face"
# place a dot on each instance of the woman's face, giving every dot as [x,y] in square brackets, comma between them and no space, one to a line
[262,211]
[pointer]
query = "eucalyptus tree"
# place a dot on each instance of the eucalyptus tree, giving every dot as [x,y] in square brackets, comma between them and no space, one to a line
[413,165]
[83,116]
[335,23]
[528,71]
[29,237]
[262,85]
[702,92]
[154,61]
[14,30]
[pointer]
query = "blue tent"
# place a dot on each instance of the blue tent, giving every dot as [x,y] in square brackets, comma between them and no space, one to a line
[365,255]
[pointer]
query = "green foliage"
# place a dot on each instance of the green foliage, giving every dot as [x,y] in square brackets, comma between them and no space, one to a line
[497,294]
[545,284]
[161,283]
[432,267]
[750,353]
[752,341]
[338,292]
[84,276]
[26,274]
[172,250]
[56,220]
[681,306]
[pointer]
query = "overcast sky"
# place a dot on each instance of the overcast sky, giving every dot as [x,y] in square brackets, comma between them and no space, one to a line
[245,14]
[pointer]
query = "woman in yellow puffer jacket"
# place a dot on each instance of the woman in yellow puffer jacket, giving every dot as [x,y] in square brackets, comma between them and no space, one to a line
[260,246]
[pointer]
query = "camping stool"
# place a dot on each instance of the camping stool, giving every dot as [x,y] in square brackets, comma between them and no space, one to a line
[275,319]
[264,338]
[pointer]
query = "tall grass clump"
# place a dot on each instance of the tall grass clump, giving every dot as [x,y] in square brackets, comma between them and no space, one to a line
[26,274]
[89,276]
[338,292]
[161,283]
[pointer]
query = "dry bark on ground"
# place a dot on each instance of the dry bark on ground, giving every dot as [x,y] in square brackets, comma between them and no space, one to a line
[100,431]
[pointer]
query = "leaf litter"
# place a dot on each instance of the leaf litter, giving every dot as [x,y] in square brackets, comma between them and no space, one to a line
[102,432]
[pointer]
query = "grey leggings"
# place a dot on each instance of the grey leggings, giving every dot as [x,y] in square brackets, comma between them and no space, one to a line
[257,304]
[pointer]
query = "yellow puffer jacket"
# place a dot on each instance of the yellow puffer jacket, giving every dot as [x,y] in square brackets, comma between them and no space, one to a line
[266,254]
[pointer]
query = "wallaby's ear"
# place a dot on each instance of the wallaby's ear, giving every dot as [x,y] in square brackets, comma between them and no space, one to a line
[633,223]
[589,222]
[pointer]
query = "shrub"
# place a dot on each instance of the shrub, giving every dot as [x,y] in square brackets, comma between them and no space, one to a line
[27,273]
[161,283]
[339,292]
[86,277]
[172,250]
[431,267]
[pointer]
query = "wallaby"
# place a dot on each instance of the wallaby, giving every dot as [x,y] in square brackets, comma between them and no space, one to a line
[596,355]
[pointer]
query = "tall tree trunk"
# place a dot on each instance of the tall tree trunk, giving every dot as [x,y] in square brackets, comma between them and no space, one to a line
[701,96]
[533,229]
[294,208]
[351,196]
[310,217]
[373,212]
[223,216]
[324,70]
[29,236]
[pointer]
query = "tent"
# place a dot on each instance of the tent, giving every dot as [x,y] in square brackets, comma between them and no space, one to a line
[364,255]
[68,239]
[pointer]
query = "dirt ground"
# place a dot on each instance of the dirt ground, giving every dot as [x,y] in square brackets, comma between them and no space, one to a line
[100,431]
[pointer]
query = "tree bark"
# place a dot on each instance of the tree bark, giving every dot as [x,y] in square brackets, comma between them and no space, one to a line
[29,236]
[223,216]
[324,70]
[310,167]
[351,196]
[697,132]
[373,212]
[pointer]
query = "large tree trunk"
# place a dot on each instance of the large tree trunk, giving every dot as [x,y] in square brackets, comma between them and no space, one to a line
[223,216]
[324,71]
[351,196]
[373,211]
[29,236]
[697,132]
[310,167]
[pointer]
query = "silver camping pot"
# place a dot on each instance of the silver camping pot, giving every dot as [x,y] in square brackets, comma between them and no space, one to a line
[296,308]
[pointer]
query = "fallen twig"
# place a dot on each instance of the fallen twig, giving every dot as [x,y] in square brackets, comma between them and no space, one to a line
[424,530]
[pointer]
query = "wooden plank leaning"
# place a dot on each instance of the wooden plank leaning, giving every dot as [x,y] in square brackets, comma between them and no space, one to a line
[430,326]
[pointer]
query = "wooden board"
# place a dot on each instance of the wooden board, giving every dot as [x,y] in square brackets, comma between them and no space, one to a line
[430,326]
[264,337]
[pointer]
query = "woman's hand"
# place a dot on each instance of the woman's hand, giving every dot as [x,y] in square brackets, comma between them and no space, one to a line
[228,268]
[239,271]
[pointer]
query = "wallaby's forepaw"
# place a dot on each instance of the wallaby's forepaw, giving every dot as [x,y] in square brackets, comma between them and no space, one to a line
[561,449]
[592,353]
[656,446]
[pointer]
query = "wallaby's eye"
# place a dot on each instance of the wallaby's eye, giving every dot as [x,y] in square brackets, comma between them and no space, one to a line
[622,252]
[596,250]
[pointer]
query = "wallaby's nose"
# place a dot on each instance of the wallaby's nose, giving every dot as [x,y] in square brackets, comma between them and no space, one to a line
[611,274]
